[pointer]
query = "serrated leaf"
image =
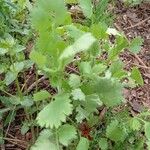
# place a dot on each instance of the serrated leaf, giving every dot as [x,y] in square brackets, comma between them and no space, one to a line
[83,144]
[135,45]
[82,44]
[86,6]
[120,44]
[48,11]
[147,130]
[45,141]
[99,68]
[135,124]
[61,107]
[85,67]
[92,102]
[109,91]
[115,131]
[66,134]
[103,144]
[41,95]
[73,31]
[81,114]
[38,58]
[78,95]
[74,80]
[99,31]
[137,76]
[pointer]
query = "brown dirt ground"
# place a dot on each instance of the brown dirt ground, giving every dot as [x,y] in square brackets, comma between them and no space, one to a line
[135,22]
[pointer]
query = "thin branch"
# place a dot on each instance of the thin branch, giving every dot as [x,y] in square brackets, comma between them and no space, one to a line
[139,23]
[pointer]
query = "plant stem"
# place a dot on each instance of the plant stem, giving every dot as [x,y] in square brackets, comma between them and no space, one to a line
[19,89]
[57,140]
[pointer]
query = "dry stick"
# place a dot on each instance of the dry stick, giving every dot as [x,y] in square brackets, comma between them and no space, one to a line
[13,111]
[140,66]
[140,60]
[15,143]
[73,69]
[26,82]
[34,84]
[2,146]
[15,140]
[139,23]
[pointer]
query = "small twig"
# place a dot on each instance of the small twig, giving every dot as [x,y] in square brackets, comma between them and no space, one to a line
[15,140]
[72,69]
[13,111]
[34,84]
[139,59]
[26,82]
[15,143]
[139,23]
[2,146]
[140,66]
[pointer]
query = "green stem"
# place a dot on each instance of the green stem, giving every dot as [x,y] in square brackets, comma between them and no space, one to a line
[7,93]
[32,128]
[57,140]
[19,89]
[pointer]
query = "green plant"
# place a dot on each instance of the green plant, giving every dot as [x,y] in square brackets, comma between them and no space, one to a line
[95,82]
[81,113]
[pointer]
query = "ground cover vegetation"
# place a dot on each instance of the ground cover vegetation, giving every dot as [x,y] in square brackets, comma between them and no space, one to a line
[78,54]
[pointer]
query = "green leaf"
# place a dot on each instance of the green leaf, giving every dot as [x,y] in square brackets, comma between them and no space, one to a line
[45,141]
[27,101]
[112,31]
[83,144]
[148,144]
[120,44]
[74,32]
[99,31]
[10,77]
[82,44]
[74,81]
[17,67]
[109,91]
[78,95]
[137,76]
[147,130]
[41,95]
[135,45]
[115,131]
[3,51]
[38,58]
[60,106]
[135,124]
[24,129]
[99,68]
[92,102]
[66,134]
[86,6]
[85,68]
[71,1]
[48,11]
[81,114]
[103,144]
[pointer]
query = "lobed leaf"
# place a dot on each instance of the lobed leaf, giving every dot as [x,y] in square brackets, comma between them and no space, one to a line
[56,112]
